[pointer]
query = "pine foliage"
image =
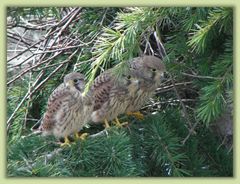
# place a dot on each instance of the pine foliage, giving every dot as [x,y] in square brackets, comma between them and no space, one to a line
[178,136]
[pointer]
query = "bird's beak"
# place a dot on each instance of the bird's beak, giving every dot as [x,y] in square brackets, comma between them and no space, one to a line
[162,76]
[135,81]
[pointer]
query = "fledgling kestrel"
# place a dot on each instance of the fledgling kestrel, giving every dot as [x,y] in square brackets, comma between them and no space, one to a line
[112,95]
[68,110]
[149,70]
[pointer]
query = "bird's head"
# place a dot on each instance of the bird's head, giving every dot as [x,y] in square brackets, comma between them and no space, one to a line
[75,80]
[153,68]
[129,80]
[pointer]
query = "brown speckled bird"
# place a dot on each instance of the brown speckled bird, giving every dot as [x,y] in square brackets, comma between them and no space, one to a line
[112,95]
[149,70]
[68,110]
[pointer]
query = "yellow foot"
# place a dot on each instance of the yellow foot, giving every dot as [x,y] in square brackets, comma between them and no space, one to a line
[81,136]
[76,136]
[118,124]
[137,115]
[66,142]
[106,123]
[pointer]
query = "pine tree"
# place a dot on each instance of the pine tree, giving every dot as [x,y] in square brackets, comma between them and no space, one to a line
[179,135]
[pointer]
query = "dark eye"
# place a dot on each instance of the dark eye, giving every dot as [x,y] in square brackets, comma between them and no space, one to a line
[153,69]
[75,80]
[129,77]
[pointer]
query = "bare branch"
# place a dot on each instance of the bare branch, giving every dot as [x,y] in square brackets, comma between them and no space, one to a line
[32,67]
[162,53]
[201,77]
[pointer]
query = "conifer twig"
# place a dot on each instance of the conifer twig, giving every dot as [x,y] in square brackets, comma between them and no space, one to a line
[102,133]
[201,77]
[168,101]
[163,54]
[162,88]
[52,154]
[191,131]
[186,116]
[58,150]
[30,93]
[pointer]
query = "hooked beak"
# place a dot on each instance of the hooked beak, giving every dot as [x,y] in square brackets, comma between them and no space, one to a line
[136,83]
[163,76]
[80,86]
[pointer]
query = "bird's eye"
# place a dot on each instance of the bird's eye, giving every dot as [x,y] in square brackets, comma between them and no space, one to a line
[75,80]
[153,69]
[129,77]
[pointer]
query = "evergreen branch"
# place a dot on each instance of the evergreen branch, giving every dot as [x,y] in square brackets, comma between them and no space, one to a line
[204,34]
[160,145]
[186,116]
[212,100]
[191,131]
[163,145]
[120,46]
[161,48]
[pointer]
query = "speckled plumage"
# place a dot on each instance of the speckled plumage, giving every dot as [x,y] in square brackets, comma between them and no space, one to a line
[67,109]
[112,94]
[149,71]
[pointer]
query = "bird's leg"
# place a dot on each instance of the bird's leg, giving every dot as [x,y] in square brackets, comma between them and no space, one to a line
[82,136]
[76,135]
[66,142]
[118,124]
[106,123]
[137,115]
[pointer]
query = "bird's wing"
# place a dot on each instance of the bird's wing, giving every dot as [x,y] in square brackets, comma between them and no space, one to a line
[60,99]
[102,86]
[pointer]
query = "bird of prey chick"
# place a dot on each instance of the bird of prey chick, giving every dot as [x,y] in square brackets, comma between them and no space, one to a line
[68,109]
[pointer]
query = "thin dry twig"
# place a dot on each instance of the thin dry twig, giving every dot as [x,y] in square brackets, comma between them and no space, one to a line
[191,132]
[68,19]
[170,86]
[30,93]
[163,54]
[201,77]
[167,102]
[53,72]
[32,67]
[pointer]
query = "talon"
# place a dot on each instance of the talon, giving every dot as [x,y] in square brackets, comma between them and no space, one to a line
[83,136]
[137,115]
[80,136]
[106,123]
[76,135]
[66,142]
[118,124]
